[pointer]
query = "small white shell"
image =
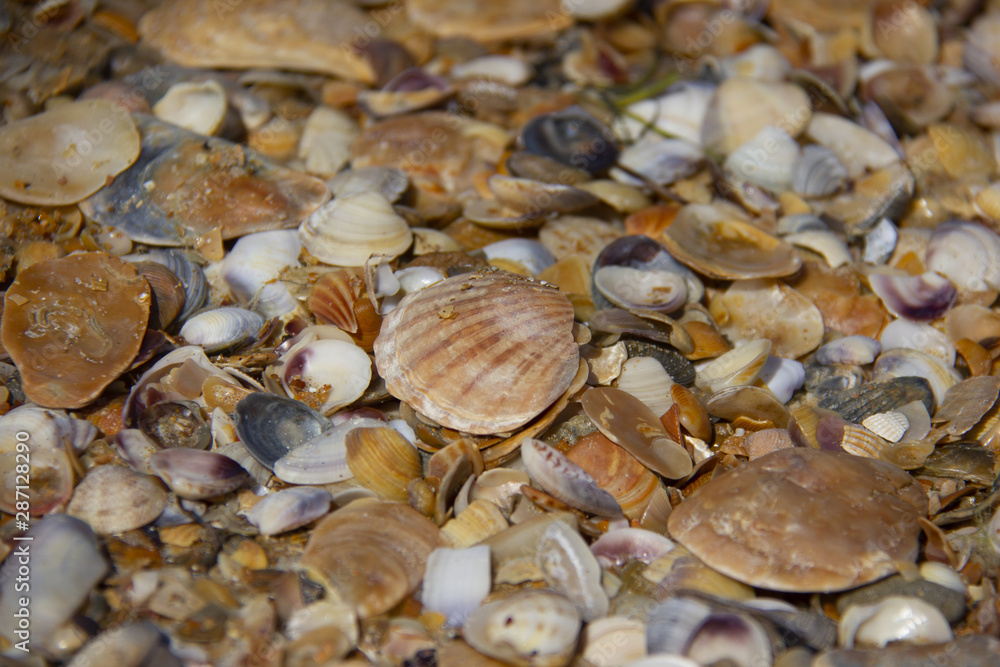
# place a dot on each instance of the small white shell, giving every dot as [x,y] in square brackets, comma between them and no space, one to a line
[895,618]
[917,336]
[614,640]
[322,460]
[335,371]
[505,69]
[783,377]
[740,366]
[288,509]
[348,230]
[680,113]
[857,350]
[661,160]
[571,569]
[943,575]
[529,253]
[197,106]
[457,581]
[646,379]
[325,145]
[829,245]
[531,628]
[857,148]
[252,267]
[880,242]
[890,425]
[767,160]
[221,328]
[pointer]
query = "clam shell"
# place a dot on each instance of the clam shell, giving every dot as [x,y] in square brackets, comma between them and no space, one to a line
[382,460]
[270,426]
[857,149]
[348,230]
[903,362]
[857,350]
[967,254]
[168,293]
[563,479]
[195,474]
[67,153]
[185,185]
[817,172]
[769,309]
[895,618]
[534,628]
[857,403]
[571,569]
[113,499]
[740,366]
[222,328]
[742,107]
[72,325]
[519,19]
[616,471]
[727,249]
[573,137]
[253,267]
[431,351]
[197,106]
[325,145]
[646,379]
[480,520]
[321,459]
[327,374]
[783,377]
[925,297]
[288,509]
[456,582]
[769,160]
[918,336]
[190,274]
[660,160]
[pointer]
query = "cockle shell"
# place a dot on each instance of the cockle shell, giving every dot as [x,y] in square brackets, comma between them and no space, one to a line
[72,325]
[383,461]
[348,230]
[481,353]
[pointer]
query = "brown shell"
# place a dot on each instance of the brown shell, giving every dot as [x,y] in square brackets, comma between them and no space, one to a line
[168,293]
[383,461]
[331,299]
[616,471]
[372,552]
[480,353]
[818,521]
[72,325]
[113,499]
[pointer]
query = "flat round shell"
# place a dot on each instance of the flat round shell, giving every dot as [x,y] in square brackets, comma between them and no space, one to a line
[73,325]
[480,353]
[804,520]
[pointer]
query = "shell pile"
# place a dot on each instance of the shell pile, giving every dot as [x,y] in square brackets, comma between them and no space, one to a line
[541,333]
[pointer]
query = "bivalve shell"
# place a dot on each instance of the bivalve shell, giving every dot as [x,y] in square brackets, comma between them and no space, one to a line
[113,499]
[222,328]
[566,481]
[967,254]
[195,474]
[383,461]
[348,230]
[288,509]
[481,353]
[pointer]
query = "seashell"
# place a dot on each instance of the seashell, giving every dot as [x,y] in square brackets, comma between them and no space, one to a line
[768,309]
[533,197]
[893,88]
[288,509]
[889,425]
[72,325]
[884,193]
[977,323]
[905,33]
[480,520]
[904,362]
[456,582]
[773,558]
[424,336]
[173,194]
[925,297]
[691,412]
[189,273]
[383,461]
[529,253]
[252,271]
[123,644]
[324,629]
[859,150]
[679,113]
[636,272]
[895,619]
[760,61]
[332,298]
[616,471]
[573,235]
[571,569]
[348,230]
[135,449]
[572,137]
[817,172]
[66,565]
[646,379]
[651,326]
[741,107]
[500,486]
[658,160]
[768,159]
[740,366]
[449,468]
[858,440]
[967,254]
[113,499]
[687,627]
[93,141]
[197,106]
[532,628]
[270,426]
[179,423]
[566,481]
[622,197]
[195,474]
[518,20]
[371,553]
[618,636]
[880,242]
[222,328]
[321,459]
[857,403]
[829,245]
[389,182]
[727,249]
[918,336]
[325,146]
[760,405]
[618,547]
[507,69]
[167,293]
[857,350]
[326,374]
[217,41]
[763,442]
[627,422]
[783,377]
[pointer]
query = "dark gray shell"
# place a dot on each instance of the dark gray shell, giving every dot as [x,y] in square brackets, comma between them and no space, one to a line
[270,426]
[869,399]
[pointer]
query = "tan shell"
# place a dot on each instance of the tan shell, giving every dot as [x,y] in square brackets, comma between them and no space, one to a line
[481,519]
[742,107]
[300,35]
[740,366]
[64,155]
[371,552]
[770,309]
[480,353]
[820,521]
[383,461]
[727,249]
[489,22]
[348,230]
[616,471]
[113,499]
[199,106]
[72,325]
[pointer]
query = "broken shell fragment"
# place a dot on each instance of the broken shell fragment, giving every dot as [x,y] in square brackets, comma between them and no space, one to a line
[925,297]
[558,476]
[197,106]
[72,325]
[451,349]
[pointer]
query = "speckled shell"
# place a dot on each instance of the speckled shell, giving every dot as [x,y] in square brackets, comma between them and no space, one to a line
[480,353]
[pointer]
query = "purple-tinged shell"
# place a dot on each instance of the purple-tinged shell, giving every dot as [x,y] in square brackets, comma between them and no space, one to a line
[195,474]
[925,297]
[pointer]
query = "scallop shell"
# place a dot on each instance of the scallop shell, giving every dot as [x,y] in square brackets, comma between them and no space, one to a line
[383,461]
[481,353]
[349,230]
[889,425]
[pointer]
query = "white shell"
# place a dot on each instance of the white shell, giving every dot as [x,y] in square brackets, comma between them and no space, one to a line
[890,425]
[528,628]
[348,230]
[829,245]
[336,371]
[943,575]
[880,242]
[967,254]
[322,460]
[325,146]
[858,149]
[659,159]
[679,113]
[505,69]
[529,253]
[917,336]
[221,328]
[783,377]
[767,160]
[252,268]
[571,569]
[613,640]
[289,509]
[197,106]
[740,366]
[646,379]
[457,581]
[900,362]
[895,618]
[857,350]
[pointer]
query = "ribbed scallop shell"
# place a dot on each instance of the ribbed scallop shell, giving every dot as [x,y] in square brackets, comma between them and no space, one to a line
[481,353]
[889,425]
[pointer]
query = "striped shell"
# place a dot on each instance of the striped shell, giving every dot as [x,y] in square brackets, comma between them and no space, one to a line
[481,353]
